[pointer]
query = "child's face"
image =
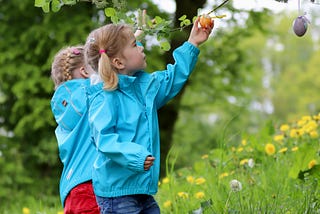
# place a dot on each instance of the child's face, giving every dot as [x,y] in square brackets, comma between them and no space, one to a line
[133,58]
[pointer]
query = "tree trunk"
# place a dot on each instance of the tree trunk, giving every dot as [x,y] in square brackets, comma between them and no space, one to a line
[168,115]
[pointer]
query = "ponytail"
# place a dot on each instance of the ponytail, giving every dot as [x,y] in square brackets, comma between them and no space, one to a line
[107,73]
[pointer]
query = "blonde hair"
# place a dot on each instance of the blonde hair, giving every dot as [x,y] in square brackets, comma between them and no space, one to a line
[102,45]
[65,62]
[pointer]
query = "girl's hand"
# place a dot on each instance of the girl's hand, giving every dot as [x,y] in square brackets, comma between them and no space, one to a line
[198,34]
[148,162]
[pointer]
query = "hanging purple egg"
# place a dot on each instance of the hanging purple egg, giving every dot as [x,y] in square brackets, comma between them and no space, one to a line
[300,25]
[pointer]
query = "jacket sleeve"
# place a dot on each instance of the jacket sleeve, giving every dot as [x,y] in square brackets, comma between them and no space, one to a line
[175,76]
[102,118]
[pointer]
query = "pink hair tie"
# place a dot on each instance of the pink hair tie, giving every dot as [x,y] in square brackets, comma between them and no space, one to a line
[75,51]
[101,51]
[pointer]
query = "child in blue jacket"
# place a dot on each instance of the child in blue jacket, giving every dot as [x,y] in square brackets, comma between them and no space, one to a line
[76,148]
[123,114]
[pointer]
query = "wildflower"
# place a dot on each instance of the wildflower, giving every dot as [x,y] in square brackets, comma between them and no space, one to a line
[294,133]
[283,150]
[278,138]
[294,149]
[243,161]
[314,134]
[60,212]
[284,127]
[240,149]
[167,204]
[251,163]
[165,180]
[225,174]
[25,210]
[235,185]
[200,181]
[199,195]
[190,179]
[244,142]
[204,156]
[312,163]
[270,149]
[159,183]
[183,195]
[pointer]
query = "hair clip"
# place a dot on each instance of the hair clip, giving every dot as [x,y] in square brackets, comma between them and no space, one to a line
[92,40]
[101,51]
[75,51]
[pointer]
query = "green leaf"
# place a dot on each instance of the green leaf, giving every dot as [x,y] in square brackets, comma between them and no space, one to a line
[39,3]
[110,12]
[55,5]
[46,7]
[165,45]
[182,18]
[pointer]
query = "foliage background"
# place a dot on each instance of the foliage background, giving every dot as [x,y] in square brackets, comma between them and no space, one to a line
[253,70]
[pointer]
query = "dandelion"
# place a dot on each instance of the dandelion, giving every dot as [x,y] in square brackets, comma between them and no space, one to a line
[243,162]
[235,185]
[167,204]
[190,179]
[314,134]
[251,163]
[244,142]
[183,195]
[25,210]
[312,163]
[294,133]
[200,181]
[199,195]
[60,212]
[204,156]
[294,149]
[166,180]
[225,174]
[270,149]
[278,138]
[240,149]
[283,150]
[284,127]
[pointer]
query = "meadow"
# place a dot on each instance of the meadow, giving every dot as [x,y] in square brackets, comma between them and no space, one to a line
[274,171]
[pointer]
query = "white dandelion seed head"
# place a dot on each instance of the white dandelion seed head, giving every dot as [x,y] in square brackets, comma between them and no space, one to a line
[251,163]
[235,185]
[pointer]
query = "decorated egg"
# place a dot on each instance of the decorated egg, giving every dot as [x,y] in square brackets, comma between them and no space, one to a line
[300,25]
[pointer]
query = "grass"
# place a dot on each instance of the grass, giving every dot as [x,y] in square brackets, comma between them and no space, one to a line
[264,173]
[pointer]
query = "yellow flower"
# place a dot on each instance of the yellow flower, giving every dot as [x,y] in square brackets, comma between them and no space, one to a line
[167,204]
[283,150]
[278,138]
[243,162]
[25,210]
[284,127]
[244,142]
[294,149]
[183,195]
[190,179]
[314,134]
[199,195]
[294,133]
[312,163]
[165,180]
[60,212]
[200,181]
[204,156]
[240,149]
[225,174]
[270,149]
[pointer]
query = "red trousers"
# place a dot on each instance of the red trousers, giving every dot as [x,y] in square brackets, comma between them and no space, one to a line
[81,200]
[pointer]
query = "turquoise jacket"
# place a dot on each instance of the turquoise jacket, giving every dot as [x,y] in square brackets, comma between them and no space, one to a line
[76,148]
[125,126]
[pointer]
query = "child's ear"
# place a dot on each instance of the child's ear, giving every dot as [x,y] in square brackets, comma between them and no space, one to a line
[117,63]
[83,72]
